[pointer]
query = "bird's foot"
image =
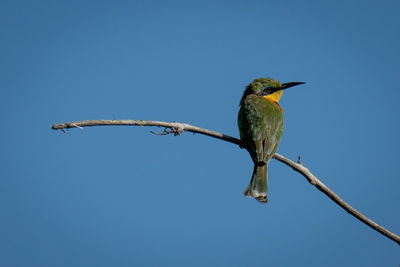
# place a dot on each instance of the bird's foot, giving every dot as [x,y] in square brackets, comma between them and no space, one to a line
[260,163]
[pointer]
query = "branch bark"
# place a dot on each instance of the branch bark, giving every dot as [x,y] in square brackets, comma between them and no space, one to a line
[177,128]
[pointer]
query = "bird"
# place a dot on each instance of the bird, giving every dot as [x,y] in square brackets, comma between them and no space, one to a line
[260,123]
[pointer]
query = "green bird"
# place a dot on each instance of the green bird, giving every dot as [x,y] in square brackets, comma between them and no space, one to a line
[260,124]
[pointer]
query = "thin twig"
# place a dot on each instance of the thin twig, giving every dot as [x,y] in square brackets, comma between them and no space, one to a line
[177,128]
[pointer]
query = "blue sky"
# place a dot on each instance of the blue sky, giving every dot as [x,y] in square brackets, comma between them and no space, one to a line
[120,196]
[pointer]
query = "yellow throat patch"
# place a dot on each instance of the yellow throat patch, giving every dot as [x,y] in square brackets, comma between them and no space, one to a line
[274,97]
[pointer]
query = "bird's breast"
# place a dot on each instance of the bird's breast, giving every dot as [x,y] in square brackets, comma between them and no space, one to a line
[273,101]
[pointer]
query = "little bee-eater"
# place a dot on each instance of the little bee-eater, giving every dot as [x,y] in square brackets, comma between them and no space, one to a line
[260,123]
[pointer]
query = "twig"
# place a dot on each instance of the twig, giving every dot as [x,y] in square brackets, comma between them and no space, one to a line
[177,128]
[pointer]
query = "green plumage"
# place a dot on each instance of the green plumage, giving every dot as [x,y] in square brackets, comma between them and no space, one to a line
[260,124]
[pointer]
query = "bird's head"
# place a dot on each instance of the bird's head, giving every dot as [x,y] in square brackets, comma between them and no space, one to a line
[267,87]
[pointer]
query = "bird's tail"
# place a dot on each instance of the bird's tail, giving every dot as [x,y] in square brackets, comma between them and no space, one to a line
[258,185]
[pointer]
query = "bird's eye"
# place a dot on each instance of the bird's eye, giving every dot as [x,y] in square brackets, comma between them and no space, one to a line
[268,89]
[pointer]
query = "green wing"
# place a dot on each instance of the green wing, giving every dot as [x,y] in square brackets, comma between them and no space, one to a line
[261,127]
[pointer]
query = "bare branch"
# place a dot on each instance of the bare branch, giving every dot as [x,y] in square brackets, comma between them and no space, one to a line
[177,128]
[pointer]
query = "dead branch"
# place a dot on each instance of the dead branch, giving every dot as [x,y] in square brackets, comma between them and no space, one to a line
[177,128]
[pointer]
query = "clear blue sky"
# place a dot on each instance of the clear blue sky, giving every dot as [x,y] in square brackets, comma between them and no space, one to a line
[120,196]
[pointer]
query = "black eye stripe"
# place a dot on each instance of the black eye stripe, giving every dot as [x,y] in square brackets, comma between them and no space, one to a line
[268,89]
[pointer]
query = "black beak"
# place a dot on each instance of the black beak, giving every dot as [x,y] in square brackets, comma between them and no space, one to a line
[287,85]
[270,90]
